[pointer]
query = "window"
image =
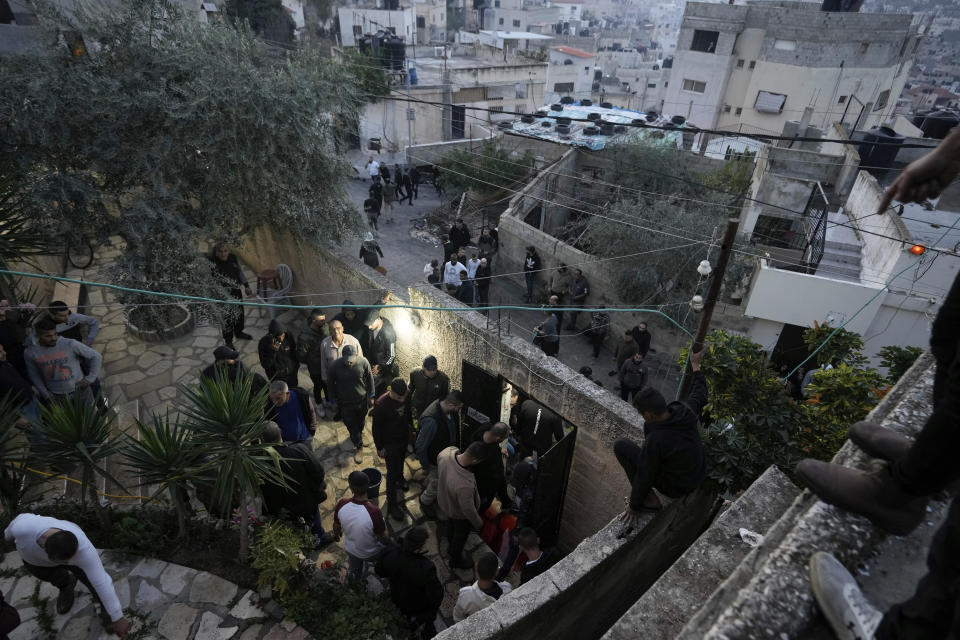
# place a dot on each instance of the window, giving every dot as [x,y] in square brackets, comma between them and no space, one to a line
[651,85]
[842,100]
[587,69]
[666,83]
[768,102]
[521,91]
[501,21]
[785,45]
[496,4]
[357,31]
[516,23]
[738,111]
[882,100]
[563,87]
[726,108]
[740,63]
[705,41]
[421,22]
[753,64]
[520,108]
[497,108]
[694,85]
[864,46]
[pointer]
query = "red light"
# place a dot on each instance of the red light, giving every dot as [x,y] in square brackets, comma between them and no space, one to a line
[918,249]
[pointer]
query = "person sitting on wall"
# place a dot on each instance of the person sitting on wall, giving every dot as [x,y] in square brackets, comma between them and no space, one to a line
[671,459]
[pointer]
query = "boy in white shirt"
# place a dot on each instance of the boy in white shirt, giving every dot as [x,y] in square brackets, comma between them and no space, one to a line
[482,593]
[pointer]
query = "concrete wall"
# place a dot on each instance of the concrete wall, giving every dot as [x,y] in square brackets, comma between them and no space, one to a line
[457,336]
[801,299]
[878,254]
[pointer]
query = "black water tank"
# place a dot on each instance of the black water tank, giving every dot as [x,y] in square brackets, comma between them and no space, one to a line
[937,124]
[586,102]
[541,113]
[879,149]
[591,131]
[546,124]
[606,105]
[505,125]
[651,116]
[594,116]
[564,120]
[391,5]
[606,128]
[640,122]
[678,119]
[620,128]
[566,100]
[563,128]
[395,53]
[528,119]
[556,107]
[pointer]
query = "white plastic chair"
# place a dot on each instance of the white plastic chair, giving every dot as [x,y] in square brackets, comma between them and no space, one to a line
[275,296]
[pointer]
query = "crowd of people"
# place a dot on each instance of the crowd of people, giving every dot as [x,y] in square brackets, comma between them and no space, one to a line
[389,189]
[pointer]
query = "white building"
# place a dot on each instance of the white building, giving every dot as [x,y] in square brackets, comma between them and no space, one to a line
[355,22]
[517,15]
[431,20]
[570,10]
[752,67]
[570,73]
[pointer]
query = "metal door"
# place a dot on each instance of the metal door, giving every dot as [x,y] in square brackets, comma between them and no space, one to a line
[553,467]
[481,394]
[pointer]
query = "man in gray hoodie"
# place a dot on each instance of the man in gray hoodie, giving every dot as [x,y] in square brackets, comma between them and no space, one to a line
[53,364]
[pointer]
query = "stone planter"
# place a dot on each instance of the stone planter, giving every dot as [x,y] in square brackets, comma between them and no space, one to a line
[183,324]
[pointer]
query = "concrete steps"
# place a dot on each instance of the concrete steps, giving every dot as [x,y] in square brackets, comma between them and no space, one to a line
[768,593]
[841,250]
[688,584]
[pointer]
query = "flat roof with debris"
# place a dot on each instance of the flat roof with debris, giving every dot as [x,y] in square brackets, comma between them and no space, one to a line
[585,134]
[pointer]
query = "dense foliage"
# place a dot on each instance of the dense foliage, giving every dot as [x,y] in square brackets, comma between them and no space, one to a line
[752,422]
[491,168]
[897,360]
[267,18]
[168,132]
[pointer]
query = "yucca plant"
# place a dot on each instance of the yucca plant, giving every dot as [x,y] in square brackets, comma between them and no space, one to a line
[75,432]
[165,455]
[12,456]
[227,421]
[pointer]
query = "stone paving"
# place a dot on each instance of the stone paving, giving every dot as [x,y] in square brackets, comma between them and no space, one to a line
[163,600]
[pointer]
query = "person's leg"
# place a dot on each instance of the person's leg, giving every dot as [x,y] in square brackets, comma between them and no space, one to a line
[429,495]
[460,529]
[597,342]
[352,421]
[528,277]
[628,455]
[355,566]
[624,393]
[395,456]
[933,610]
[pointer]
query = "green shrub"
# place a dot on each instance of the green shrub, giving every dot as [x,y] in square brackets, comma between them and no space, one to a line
[333,610]
[897,360]
[276,555]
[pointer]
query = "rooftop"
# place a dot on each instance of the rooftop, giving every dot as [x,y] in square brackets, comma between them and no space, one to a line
[926,226]
[430,68]
[517,35]
[570,51]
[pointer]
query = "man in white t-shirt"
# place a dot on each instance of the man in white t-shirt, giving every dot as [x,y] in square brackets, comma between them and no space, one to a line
[361,524]
[472,265]
[58,552]
[373,168]
[452,269]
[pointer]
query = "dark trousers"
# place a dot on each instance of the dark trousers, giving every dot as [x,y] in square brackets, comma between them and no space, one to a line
[529,277]
[396,453]
[483,295]
[629,456]
[233,320]
[627,392]
[929,466]
[934,609]
[457,530]
[597,341]
[319,387]
[490,488]
[408,197]
[59,576]
[550,348]
[354,415]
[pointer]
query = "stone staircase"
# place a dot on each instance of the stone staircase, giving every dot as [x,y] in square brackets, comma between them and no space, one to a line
[841,251]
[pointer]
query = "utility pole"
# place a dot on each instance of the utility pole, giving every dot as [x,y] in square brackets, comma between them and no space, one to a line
[726,248]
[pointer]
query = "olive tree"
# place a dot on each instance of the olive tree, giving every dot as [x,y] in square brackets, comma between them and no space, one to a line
[141,121]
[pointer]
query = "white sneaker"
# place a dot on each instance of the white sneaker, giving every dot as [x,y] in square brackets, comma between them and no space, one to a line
[842,602]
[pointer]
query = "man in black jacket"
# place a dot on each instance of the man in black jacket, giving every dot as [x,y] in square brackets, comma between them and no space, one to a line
[426,385]
[671,459]
[491,478]
[536,426]
[226,360]
[439,429]
[350,383]
[531,266]
[278,354]
[381,349]
[305,475]
[390,429]
[414,586]
[459,235]
[642,337]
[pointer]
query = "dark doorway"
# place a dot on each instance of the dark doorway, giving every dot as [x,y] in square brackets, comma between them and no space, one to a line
[790,349]
[458,124]
[482,391]
[553,468]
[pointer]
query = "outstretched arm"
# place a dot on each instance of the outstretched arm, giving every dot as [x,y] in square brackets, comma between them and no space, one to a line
[928,176]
